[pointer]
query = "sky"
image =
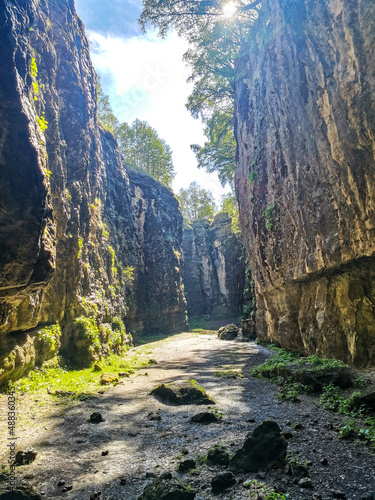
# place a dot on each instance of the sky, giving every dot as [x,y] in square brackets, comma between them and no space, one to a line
[145,78]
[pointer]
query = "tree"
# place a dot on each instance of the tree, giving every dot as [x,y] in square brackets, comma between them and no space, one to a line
[140,146]
[105,113]
[143,150]
[229,204]
[216,43]
[183,14]
[196,203]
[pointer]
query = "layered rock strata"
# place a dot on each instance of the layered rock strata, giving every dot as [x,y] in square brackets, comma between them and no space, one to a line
[305,127]
[214,268]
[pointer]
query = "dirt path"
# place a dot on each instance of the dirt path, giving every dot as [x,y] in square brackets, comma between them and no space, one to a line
[117,456]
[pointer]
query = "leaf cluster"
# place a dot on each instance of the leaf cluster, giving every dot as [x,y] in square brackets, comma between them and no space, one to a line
[196,203]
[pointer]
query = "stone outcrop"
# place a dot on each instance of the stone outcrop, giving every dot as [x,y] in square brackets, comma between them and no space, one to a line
[160,304]
[214,268]
[305,127]
[73,227]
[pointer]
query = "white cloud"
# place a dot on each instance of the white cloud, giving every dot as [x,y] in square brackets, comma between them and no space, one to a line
[145,78]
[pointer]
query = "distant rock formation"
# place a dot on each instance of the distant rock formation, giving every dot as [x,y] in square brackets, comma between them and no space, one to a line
[214,268]
[305,127]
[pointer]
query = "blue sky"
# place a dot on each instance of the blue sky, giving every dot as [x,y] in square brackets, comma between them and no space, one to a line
[145,78]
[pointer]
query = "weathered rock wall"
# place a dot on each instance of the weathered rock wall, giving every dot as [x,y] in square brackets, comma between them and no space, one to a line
[305,127]
[69,235]
[214,269]
[160,304]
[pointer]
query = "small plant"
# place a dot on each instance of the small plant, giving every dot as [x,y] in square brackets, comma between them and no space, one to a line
[347,429]
[295,459]
[50,336]
[253,175]
[269,215]
[80,247]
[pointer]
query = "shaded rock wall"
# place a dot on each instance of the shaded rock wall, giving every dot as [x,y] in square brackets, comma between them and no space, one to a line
[305,126]
[69,235]
[214,269]
[160,304]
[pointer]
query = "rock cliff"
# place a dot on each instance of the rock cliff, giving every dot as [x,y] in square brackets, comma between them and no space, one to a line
[305,127]
[214,268]
[73,245]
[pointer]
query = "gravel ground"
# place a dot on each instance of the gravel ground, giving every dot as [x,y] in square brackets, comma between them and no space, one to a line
[119,456]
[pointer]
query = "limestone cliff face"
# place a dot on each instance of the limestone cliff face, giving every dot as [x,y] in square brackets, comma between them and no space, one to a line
[305,126]
[160,304]
[214,270]
[71,230]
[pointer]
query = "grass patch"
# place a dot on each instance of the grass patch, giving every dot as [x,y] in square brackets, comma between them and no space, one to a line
[80,382]
[202,331]
[228,374]
[283,358]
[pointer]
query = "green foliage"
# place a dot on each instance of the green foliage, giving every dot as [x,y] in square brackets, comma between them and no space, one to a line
[295,459]
[215,43]
[143,150]
[229,204]
[88,329]
[289,390]
[105,113]
[80,247]
[269,216]
[43,124]
[218,154]
[196,203]
[253,175]
[33,68]
[258,490]
[347,429]
[50,336]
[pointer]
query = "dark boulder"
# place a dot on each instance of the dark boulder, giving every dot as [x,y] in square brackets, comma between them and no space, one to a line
[218,455]
[184,392]
[222,481]
[263,448]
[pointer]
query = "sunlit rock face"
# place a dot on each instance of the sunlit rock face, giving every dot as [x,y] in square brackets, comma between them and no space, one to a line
[214,268]
[69,227]
[305,125]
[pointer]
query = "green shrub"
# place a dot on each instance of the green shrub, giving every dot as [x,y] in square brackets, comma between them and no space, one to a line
[50,337]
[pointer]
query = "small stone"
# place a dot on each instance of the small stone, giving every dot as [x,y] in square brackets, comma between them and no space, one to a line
[25,457]
[108,378]
[218,455]
[324,461]
[150,475]
[105,453]
[222,481]
[205,418]
[184,451]
[317,496]
[298,427]
[61,482]
[305,483]
[250,420]
[338,494]
[68,487]
[123,374]
[122,481]
[96,418]
[186,465]
[97,368]
[166,475]
[96,495]
[288,434]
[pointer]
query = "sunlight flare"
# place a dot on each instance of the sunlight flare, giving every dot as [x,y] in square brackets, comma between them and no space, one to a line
[229,9]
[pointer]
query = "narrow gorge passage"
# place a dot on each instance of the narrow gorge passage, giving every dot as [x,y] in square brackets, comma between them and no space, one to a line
[141,437]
